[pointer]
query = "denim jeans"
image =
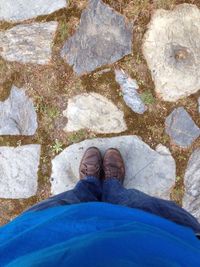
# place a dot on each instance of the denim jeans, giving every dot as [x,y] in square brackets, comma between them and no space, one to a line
[112,191]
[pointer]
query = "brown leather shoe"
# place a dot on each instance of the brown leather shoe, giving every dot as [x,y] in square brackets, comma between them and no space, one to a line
[113,165]
[91,163]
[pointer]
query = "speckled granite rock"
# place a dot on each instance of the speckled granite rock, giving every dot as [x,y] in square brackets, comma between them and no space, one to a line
[172,50]
[28,43]
[19,167]
[17,114]
[103,37]
[129,89]
[150,171]
[94,112]
[181,128]
[191,199]
[19,10]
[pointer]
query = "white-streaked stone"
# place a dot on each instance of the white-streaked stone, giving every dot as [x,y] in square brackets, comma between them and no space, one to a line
[19,10]
[28,43]
[19,167]
[94,112]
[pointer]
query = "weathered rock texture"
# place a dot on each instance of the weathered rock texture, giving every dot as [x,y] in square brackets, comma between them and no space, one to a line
[94,112]
[28,43]
[150,171]
[181,128]
[19,167]
[19,10]
[129,89]
[17,114]
[191,200]
[103,37]
[172,50]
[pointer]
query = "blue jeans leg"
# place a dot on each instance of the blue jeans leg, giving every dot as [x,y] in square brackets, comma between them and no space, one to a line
[87,189]
[114,192]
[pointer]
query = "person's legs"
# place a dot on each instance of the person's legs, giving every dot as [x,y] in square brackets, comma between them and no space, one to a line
[114,192]
[89,188]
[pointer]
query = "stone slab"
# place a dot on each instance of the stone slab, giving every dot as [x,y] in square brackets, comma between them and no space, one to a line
[191,199]
[129,89]
[28,43]
[17,114]
[103,37]
[181,128]
[19,167]
[172,50]
[153,172]
[94,112]
[19,10]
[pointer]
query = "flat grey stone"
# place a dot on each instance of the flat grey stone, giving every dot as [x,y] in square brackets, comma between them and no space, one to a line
[17,114]
[181,128]
[191,199]
[150,171]
[94,112]
[19,167]
[19,10]
[103,37]
[129,89]
[172,50]
[28,43]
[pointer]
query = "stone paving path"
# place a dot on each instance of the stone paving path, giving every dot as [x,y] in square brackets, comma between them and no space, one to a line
[101,39]
[148,170]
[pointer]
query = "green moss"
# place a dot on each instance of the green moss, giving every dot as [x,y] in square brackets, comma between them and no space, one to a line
[77,136]
[147,98]
[63,30]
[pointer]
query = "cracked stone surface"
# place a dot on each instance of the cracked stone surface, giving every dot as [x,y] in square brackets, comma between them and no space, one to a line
[103,37]
[19,10]
[17,114]
[191,199]
[150,171]
[19,167]
[94,112]
[28,43]
[129,89]
[181,128]
[172,50]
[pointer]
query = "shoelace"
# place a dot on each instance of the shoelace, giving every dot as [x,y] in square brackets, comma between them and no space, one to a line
[91,169]
[112,172]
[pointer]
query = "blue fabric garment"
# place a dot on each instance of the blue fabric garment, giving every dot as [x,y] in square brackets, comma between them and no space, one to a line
[111,191]
[96,234]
